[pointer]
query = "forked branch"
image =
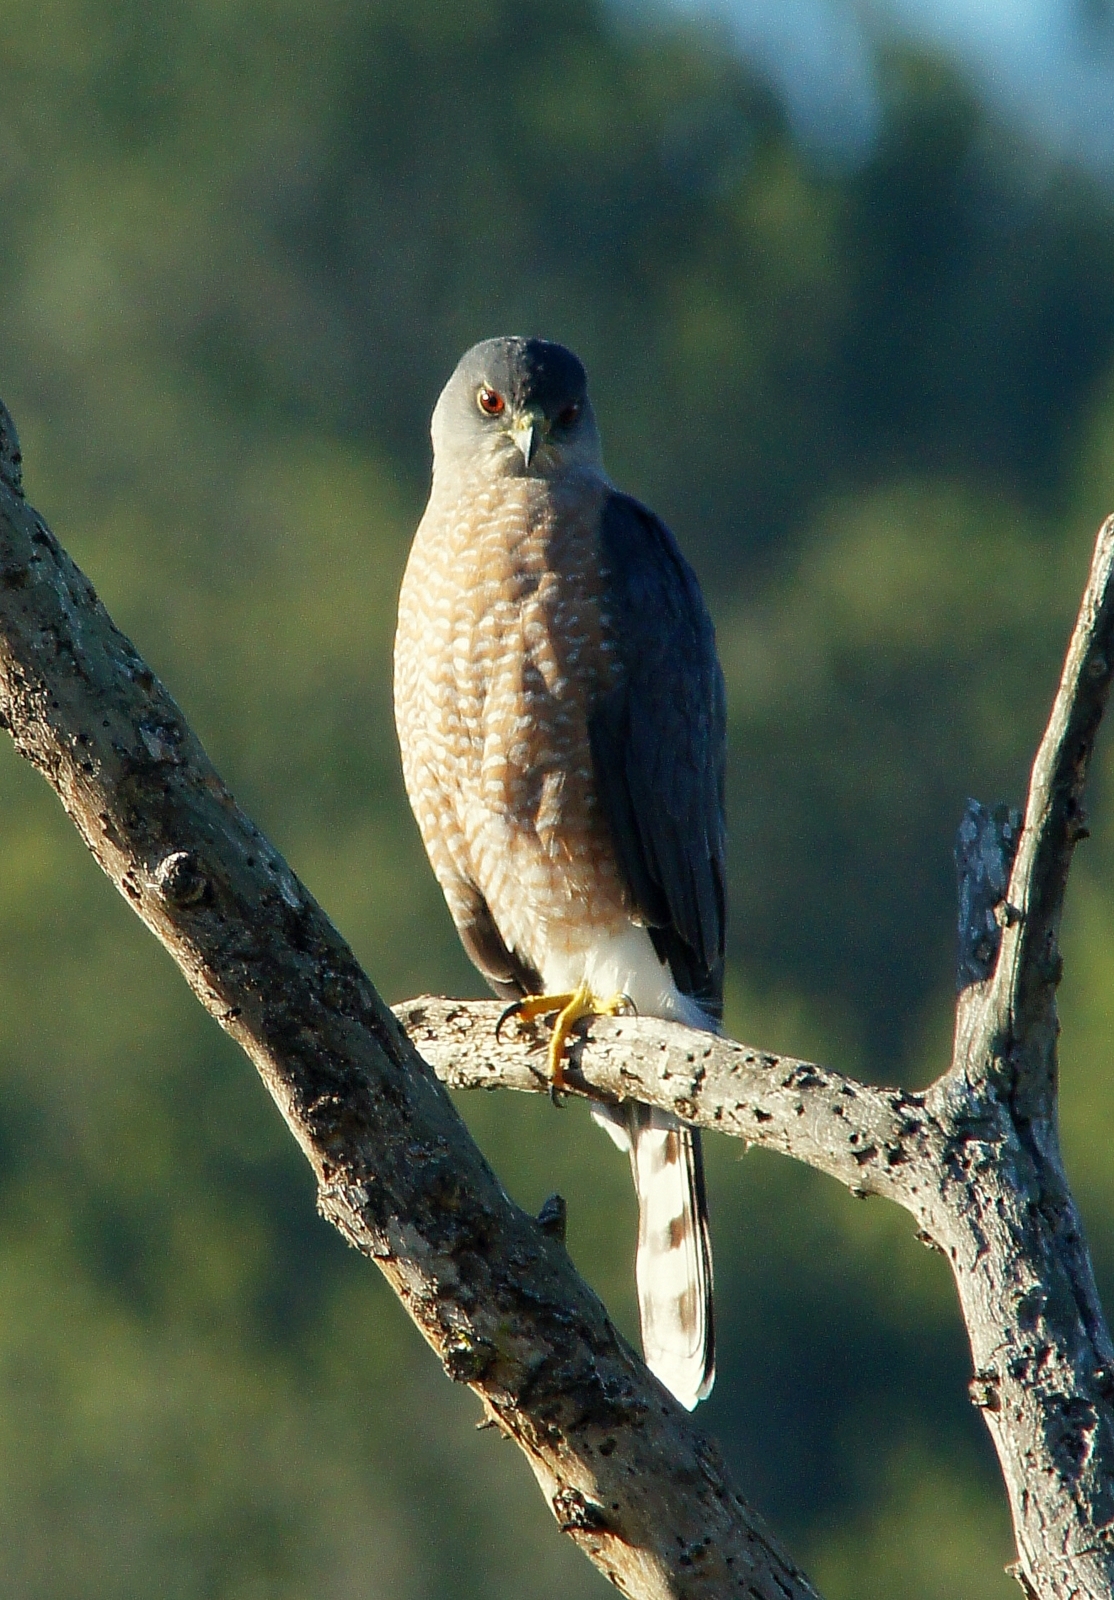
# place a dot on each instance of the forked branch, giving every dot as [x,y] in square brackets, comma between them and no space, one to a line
[975,1157]
[626,1472]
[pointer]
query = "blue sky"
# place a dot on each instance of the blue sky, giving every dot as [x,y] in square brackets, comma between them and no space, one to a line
[1047,64]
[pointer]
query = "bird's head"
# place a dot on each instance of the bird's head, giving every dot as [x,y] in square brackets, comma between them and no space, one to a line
[518,408]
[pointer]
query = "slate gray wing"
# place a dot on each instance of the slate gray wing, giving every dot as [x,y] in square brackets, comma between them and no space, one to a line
[659,747]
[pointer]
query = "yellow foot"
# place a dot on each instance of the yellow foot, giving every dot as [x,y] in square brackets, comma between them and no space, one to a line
[569,1009]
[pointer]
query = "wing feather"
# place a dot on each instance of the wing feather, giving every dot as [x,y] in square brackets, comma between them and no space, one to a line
[658,741]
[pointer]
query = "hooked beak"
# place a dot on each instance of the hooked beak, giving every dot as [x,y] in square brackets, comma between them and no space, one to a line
[527,430]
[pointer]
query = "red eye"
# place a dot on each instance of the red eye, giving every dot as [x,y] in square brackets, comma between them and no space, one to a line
[490,401]
[568,416]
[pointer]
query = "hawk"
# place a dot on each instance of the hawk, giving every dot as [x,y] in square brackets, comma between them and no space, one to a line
[560,713]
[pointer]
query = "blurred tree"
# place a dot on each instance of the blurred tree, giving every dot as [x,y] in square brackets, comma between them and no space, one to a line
[243,244]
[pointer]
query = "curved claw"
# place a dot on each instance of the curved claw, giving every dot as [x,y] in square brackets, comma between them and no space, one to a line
[505,1016]
[568,1008]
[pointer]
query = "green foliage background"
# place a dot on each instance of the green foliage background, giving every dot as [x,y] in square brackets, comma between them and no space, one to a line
[242,244]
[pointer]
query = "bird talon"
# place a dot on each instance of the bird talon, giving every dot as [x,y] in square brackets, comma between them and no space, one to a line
[569,1009]
[515,415]
[505,1016]
[532,1006]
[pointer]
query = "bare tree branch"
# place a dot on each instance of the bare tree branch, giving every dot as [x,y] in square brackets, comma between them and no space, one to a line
[975,1158]
[626,1472]
[1029,967]
[823,1118]
[1044,1363]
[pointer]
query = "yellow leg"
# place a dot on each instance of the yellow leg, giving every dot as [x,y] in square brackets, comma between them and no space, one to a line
[569,1009]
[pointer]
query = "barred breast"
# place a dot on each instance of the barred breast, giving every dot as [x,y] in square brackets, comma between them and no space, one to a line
[501,650]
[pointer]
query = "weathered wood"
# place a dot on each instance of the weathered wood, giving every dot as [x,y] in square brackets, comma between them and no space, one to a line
[985,850]
[985,1188]
[975,1157]
[627,1473]
[1044,1363]
[857,1133]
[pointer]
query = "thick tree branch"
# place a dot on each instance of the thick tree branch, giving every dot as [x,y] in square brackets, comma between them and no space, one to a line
[625,1470]
[1044,1363]
[975,1158]
[853,1131]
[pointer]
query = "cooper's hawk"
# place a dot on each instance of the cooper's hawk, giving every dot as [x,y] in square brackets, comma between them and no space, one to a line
[560,710]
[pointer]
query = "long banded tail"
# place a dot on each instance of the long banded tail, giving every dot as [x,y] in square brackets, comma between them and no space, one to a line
[673,1264]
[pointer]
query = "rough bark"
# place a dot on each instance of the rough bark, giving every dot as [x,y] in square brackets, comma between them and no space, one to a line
[853,1131]
[627,1473]
[975,1157]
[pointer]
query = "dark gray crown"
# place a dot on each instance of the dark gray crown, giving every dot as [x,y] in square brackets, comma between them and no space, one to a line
[527,372]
